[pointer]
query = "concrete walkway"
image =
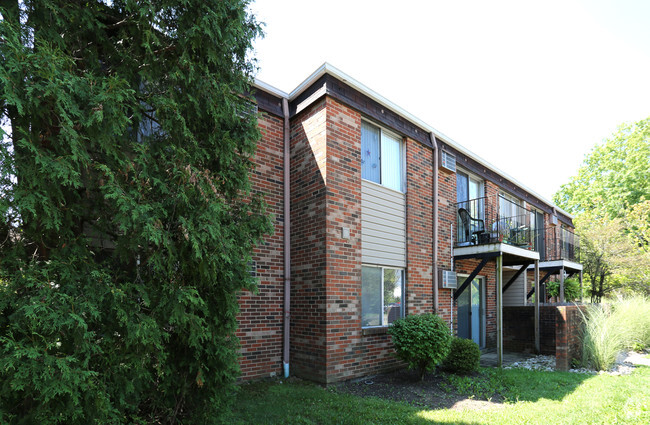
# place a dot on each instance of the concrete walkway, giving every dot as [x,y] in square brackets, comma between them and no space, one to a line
[489,358]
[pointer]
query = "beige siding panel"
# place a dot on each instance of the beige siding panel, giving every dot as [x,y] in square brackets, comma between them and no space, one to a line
[383,225]
[516,293]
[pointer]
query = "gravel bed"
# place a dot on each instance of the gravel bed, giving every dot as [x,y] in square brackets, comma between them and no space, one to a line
[625,363]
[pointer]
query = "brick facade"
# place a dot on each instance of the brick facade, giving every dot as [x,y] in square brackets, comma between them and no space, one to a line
[327,341]
[308,242]
[419,227]
[261,315]
[560,330]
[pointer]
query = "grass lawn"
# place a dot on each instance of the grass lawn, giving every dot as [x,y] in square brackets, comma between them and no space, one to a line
[531,397]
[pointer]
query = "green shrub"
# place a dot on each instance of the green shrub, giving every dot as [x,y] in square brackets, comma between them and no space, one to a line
[464,356]
[422,341]
[571,289]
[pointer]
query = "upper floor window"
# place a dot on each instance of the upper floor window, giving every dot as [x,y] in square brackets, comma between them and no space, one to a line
[381,156]
[469,194]
[510,207]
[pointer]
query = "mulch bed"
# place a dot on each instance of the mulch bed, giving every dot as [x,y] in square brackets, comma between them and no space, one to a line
[434,392]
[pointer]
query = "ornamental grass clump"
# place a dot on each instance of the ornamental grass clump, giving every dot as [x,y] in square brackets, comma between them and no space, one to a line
[612,328]
[602,338]
[422,341]
[633,315]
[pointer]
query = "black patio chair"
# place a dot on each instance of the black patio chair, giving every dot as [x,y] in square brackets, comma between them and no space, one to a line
[472,226]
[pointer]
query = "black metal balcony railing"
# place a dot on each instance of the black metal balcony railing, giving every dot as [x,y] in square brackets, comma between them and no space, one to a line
[497,220]
[494,219]
[560,244]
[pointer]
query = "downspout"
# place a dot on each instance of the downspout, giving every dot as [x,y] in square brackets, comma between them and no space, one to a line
[287,238]
[435,221]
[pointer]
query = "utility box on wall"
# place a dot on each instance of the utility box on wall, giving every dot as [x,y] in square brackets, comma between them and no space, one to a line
[447,161]
[447,279]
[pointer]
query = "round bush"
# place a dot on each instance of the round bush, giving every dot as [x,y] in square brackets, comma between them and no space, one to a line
[464,356]
[421,340]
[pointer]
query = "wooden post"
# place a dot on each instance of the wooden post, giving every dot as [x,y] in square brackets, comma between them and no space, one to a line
[499,311]
[537,293]
[581,294]
[562,284]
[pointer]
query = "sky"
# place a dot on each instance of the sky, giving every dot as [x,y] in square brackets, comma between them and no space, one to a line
[530,87]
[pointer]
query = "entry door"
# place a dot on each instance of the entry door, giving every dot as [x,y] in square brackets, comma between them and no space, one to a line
[469,195]
[471,312]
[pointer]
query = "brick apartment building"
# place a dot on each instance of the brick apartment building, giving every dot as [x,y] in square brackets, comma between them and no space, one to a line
[356,184]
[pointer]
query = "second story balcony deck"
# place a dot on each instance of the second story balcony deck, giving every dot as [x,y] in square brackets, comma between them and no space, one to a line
[500,223]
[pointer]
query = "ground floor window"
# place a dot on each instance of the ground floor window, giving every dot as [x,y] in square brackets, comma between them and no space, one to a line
[382,295]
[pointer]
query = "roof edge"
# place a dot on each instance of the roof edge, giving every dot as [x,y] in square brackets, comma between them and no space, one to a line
[259,84]
[327,68]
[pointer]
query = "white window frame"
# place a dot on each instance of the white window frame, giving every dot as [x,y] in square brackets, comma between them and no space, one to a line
[480,213]
[381,292]
[513,200]
[383,131]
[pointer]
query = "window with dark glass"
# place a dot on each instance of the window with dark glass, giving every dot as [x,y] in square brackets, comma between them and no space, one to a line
[381,156]
[382,295]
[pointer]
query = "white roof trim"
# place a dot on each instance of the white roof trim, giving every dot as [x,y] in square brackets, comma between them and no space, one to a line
[326,68]
[269,89]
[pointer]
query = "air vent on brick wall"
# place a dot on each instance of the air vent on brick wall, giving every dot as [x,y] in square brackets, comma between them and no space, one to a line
[448,279]
[448,161]
[247,109]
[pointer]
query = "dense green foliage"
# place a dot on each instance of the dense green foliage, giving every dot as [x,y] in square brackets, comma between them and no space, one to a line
[571,289]
[127,223]
[530,397]
[614,176]
[421,340]
[611,328]
[464,356]
[610,197]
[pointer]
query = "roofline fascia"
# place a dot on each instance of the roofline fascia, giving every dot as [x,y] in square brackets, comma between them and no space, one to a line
[259,84]
[327,68]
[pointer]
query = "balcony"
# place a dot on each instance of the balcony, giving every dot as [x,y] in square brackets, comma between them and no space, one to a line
[560,244]
[491,220]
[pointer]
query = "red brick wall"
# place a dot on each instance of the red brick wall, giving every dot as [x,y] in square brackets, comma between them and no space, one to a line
[568,328]
[419,227]
[345,350]
[519,329]
[446,219]
[261,315]
[560,330]
[308,242]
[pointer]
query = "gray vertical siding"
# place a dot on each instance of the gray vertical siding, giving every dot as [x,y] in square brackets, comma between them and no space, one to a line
[516,293]
[383,225]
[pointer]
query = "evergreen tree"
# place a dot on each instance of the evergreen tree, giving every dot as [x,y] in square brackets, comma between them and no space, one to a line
[127,215]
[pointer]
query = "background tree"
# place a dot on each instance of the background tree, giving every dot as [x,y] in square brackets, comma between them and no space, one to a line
[611,199]
[605,253]
[127,219]
[614,176]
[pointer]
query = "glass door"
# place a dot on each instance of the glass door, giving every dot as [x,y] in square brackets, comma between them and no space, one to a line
[471,311]
[469,195]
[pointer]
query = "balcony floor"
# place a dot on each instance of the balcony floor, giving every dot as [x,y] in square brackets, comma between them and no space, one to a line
[570,266]
[511,254]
